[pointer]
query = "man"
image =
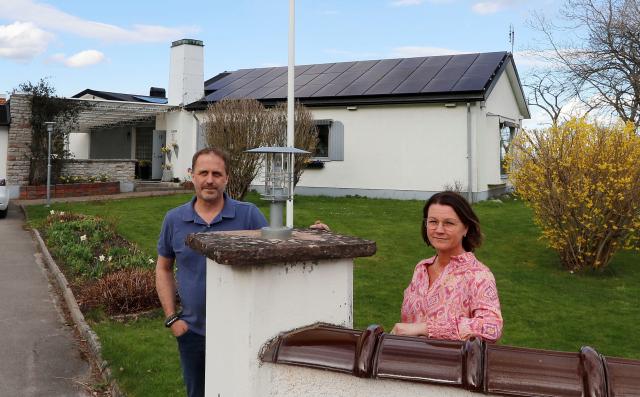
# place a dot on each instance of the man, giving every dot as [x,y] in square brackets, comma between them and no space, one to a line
[210,210]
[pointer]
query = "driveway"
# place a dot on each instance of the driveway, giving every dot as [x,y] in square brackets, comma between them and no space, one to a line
[39,355]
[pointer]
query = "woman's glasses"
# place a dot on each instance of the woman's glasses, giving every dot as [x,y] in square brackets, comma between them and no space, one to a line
[447,224]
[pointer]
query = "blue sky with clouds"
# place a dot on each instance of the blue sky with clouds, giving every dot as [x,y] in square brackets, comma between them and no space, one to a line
[123,46]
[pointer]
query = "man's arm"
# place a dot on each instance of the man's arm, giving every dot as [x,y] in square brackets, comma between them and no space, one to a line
[166,288]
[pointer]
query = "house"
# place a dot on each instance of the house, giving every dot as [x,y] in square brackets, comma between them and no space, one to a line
[122,139]
[394,128]
[114,132]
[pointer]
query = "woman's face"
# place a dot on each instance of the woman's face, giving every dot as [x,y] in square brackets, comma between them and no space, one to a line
[445,230]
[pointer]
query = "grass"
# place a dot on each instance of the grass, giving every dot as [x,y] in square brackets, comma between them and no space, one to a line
[543,305]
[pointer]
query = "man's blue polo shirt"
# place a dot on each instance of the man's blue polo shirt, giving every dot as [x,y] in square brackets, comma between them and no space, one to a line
[191,265]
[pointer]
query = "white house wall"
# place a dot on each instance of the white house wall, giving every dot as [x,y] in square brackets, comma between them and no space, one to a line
[4,142]
[501,104]
[79,143]
[399,151]
[182,125]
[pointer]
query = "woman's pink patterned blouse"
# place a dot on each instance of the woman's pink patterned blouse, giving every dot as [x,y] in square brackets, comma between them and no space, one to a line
[461,302]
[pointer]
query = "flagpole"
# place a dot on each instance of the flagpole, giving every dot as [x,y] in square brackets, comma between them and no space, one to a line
[291,99]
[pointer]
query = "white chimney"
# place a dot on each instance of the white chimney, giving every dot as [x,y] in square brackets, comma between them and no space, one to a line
[186,72]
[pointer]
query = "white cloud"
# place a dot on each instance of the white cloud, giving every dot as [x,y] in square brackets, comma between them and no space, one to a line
[415,51]
[81,59]
[49,17]
[22,41]
[492,6]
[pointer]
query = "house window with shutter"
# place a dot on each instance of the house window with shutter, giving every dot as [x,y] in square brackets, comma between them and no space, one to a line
[330,145]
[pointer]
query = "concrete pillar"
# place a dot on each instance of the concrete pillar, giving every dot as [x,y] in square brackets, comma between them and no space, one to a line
[257,288]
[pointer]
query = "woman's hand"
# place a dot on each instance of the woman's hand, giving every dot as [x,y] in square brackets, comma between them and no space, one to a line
[320,226]
[410,329]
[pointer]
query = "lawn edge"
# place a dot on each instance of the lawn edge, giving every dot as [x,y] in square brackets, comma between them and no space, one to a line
[84,329]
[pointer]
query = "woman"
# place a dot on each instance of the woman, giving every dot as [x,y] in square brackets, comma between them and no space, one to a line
[452,295]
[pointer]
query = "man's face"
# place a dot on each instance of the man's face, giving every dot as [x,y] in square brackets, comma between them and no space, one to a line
[209,178]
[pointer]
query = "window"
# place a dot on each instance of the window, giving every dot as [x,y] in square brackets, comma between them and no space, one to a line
[330,141]
[507,132]
[322,148]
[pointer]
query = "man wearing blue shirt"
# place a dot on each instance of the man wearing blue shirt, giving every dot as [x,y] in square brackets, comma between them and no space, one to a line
[210,210]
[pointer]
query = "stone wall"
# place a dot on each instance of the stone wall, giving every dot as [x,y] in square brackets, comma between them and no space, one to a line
[121,170]
[19,142]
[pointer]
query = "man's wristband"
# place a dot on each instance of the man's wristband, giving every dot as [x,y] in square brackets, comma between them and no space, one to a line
[168,322]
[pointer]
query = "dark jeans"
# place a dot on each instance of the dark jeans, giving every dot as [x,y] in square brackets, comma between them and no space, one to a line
[191,346]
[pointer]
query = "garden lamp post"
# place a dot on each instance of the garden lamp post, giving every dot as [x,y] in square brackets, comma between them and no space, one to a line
[49,125]
[278,186]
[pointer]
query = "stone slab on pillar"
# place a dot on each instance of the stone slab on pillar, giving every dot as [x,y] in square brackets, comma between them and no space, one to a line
[257,288]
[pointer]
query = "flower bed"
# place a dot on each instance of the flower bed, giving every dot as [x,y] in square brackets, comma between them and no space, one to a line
[104,270]
[70,190]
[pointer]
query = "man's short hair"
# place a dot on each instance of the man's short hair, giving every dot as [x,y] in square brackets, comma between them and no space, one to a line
[211,150]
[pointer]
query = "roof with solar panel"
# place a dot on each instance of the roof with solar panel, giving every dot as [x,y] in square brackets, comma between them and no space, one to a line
[404,80]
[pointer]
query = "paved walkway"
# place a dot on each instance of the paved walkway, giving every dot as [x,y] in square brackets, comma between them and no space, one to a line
[38,354]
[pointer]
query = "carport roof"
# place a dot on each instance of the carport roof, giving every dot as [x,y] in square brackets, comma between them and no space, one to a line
[107,114]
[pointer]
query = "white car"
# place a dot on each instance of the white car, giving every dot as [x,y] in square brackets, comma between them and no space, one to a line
[4,198]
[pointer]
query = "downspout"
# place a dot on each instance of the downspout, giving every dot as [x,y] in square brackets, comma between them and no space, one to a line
[469,156]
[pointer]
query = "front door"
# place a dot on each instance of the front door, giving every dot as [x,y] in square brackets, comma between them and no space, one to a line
[157,158]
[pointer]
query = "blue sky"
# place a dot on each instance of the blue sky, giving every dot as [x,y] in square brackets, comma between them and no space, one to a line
[123,46]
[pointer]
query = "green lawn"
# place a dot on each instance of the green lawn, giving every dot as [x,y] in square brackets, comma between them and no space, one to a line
[543,306]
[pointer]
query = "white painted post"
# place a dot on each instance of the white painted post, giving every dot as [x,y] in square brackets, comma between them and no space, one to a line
[291,96]
[249,305]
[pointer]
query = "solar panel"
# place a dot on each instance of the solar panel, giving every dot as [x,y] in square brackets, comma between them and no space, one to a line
[422,75]
[449,75]
[426,75]
[226,80]
[370,77]
[317,69]
[395,76]
[339,67]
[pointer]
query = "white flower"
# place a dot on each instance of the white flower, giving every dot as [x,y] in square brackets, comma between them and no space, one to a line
[83,237]
[101,258]
[150,260]
[110,257]
[61,213]
[52,212]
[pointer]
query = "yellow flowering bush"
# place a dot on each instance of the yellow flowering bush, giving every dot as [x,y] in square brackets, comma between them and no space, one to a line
[582,181]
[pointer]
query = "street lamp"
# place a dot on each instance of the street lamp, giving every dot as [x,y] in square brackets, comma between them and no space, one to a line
[278,186]
[49,125]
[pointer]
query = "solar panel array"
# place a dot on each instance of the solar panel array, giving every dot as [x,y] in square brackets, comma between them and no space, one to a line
[447,74]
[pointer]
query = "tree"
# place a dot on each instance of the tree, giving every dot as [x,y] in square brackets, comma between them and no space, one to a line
[236,125]
[46,106]
[305,134]
[550,93]
[583,183]
[600,52]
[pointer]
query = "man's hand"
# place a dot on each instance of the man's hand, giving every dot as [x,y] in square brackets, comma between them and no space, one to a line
[410,329]
[320,226]
[179,328]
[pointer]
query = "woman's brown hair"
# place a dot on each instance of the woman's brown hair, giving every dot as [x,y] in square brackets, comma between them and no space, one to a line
[473,238]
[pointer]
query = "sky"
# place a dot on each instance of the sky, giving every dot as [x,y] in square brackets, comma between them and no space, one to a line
[123,46]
